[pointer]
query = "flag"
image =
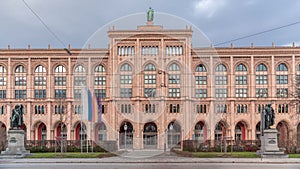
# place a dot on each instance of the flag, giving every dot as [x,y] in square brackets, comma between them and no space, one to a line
[97,109]
[86,101]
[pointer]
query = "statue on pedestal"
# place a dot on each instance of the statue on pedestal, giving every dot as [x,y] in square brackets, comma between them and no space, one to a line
[269,116]
[16,119]
[150,15]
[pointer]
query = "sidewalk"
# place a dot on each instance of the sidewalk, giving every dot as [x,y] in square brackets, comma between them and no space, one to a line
[161,158]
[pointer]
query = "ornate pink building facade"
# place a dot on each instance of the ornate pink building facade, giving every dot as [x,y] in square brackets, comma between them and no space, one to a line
[150,79]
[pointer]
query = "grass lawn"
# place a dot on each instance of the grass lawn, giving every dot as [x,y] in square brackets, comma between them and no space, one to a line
[223,155]
[70,155]
[294,155]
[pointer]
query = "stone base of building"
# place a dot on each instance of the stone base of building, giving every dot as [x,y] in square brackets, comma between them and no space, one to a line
[15,148]
[269,145]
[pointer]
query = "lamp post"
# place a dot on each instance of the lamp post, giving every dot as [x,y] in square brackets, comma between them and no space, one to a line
[171,131]
[125,129]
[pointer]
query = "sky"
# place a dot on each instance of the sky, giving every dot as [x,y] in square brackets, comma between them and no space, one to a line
[74,22]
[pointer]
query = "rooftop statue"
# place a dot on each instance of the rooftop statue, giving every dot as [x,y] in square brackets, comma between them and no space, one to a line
[16,119]
[150,15]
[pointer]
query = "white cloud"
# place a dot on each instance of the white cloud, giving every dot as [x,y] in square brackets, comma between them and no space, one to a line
[208,7]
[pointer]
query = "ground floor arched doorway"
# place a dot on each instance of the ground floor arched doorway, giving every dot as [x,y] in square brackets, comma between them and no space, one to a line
[150,135]
[298,135]
[3,136]
[240,132]
[174,134]
[126,135]
[283,136]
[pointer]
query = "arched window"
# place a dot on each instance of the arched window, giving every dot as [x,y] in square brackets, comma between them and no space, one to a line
[126,67]
[60,69]
[149,67]
[221,68]
[2,69]
[20,69]
[79,69]
[174,67]
[40,69]
[201,68]
[261,67]
[282,67]
[102,132]
[100,68]
[241,68]
[298,68]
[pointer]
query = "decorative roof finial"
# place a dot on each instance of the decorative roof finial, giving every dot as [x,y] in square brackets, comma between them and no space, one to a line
[150,15]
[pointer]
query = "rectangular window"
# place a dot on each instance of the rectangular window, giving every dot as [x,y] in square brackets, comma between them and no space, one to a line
[201,108]
[149,50]
[221,80]
[174,92]
[60,81]
[2,94]
[79,80]
[201,80]
[282,92]
[126,79]
[201,93]
[40,80]
[100,80]
[150,108]
[150,79]
[174,108]
[125,108]
[2,81]
[174,79]
[174,50]
[150,92]
[20,94]
[100,93]
[261,92]
[60,93]
[77,93]
[240,80]
[39,94]
[241,92]
[221,93]
[20,81]
[281,79]
[221,108]
[126,92]
[261,79]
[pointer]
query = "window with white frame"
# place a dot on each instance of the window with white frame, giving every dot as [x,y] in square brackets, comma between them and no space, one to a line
[241,80]
[174,92]
[241,92]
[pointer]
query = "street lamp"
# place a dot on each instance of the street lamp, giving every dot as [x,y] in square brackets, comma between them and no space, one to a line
[125,129]
[171,130]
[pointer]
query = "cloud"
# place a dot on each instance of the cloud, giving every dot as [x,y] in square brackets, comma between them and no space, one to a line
[208,7]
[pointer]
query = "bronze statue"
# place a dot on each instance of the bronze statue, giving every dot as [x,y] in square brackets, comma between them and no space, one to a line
[269,116]
[16,119]
[150,15]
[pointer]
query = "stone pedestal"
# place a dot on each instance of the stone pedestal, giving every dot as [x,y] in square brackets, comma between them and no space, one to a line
[15,148]
[269,145]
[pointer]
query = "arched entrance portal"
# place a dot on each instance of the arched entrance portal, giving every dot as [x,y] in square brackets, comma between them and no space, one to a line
[174,133]
[283,136]
[240,131]
[150,135]
[257,131]
[81,133]
[126,135]
[3,136]
[200,132]
[298,135]
[61,132]
[41,132]
[220,131]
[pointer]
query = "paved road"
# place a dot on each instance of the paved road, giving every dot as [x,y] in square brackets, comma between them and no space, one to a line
[147,166]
